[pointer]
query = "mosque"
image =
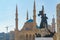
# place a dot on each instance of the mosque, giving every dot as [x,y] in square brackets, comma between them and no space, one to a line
[30,30]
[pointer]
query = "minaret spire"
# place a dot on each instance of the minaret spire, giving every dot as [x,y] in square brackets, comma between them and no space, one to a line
[53,19]
[16,18]
[34,5]
[27,15]
[34,13]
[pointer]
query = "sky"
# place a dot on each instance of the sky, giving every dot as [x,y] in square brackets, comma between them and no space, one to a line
[8,10]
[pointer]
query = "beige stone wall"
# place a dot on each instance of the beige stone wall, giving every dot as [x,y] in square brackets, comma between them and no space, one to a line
[57,36]
[26,35]
[58,18]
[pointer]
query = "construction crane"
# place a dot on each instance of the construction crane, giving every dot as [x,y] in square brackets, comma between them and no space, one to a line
[6,29]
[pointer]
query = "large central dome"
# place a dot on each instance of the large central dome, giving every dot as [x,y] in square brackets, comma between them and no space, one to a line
[30,20]
[28,25]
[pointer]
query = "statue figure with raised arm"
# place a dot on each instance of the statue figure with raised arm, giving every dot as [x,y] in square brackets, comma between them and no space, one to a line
[44,18]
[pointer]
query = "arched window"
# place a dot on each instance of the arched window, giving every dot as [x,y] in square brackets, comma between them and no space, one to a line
[30,37]
[33,37]
[26,36]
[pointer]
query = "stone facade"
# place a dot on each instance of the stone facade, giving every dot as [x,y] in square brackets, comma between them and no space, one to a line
[58,22]
[29,29]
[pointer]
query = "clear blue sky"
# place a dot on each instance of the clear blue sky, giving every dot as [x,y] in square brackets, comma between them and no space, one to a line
[7,11]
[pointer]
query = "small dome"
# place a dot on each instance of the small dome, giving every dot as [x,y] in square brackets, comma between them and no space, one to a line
[30,20]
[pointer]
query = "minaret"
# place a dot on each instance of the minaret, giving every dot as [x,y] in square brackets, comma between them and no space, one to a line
[27,15]
[16,18]
[34,14]
[16,29]
[53,24]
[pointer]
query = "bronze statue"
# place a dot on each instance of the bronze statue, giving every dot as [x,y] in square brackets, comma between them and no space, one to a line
[44,18]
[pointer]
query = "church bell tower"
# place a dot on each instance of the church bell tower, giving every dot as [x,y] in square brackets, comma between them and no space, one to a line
[58,22]
[53,24]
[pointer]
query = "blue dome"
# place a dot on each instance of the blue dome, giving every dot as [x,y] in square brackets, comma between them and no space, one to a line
[30,20]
